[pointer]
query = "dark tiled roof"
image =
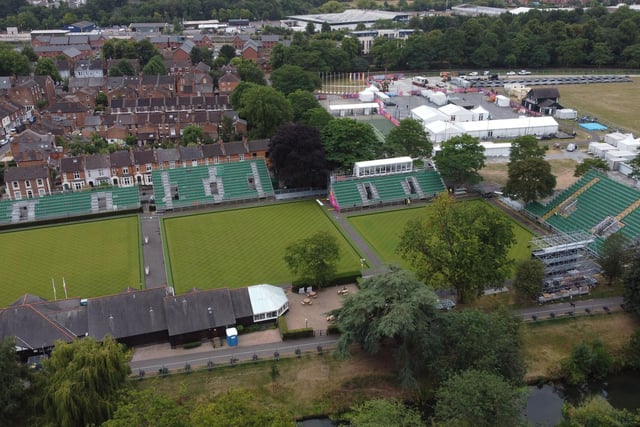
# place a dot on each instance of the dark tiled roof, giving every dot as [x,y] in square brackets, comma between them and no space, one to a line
[143,157]
[31,328]
[167,155]
[258,145]
[120,158]
[190,153]
[97,161]
[25,172]
[234,148]
[128,314]
[545,92]
[212,150]
[241,302]
[72,164]
[197,311]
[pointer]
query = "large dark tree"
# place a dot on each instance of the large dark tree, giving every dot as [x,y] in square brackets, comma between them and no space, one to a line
[46,67]
[528,280]
[249,71]
[228,52]
[265,109]
[460,160]
[464,246]
[12,382]
[297,157]
[530,176]
[393,309]
[347,141]
[301,102]
[314,259]
[612,256]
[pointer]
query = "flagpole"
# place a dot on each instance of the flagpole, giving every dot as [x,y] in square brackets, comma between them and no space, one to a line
[53,283]
[64,286]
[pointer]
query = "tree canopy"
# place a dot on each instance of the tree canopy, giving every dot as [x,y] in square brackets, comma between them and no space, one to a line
[290,78]
[81,381]
[460,160]
[12,387]
[529,175]
[382,412]
[460,245]
[478,398]
[347,141]
[265,109]
[631,281]
[408,139]
[314,259]
[249,71]
[528,280]
[587,164]
[612,256]
[147,408]
[302,101]
[596,411]
[46,67]
[394,308]
[297,156]
[155,66]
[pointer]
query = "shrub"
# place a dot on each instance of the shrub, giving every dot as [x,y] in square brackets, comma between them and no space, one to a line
[192,345]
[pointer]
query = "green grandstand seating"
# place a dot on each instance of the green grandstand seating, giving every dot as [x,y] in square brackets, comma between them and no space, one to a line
[192,189]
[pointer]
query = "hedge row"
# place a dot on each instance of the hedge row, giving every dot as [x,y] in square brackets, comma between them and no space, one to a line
[341,279]
[286,334]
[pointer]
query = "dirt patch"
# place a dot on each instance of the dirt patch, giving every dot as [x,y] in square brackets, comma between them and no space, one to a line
[496,172]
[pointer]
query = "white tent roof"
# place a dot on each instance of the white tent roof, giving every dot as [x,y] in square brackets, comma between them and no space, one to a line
[480,110]
[377,162]
[521,122]
[428,114]
[339,107]
[451,109]
[266,298]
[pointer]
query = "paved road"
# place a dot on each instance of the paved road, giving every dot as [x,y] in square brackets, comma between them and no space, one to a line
[595,306]
[223,355]
[152,251]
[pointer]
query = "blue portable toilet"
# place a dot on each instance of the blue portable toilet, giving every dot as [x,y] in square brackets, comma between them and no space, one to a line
[232,337]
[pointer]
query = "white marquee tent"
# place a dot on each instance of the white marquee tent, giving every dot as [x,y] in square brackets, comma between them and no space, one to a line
[267,302]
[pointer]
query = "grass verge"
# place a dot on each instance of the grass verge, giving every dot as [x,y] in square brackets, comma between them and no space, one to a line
[95,258]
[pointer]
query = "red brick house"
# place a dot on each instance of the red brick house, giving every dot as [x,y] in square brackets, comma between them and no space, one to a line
[27,182]
[72,173]
[122,169]
[227,83]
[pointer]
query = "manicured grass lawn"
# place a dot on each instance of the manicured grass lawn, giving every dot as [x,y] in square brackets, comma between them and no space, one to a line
[245,246]
[95,258]
[382,232]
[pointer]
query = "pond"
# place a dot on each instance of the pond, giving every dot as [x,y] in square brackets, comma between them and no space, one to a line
[544,404]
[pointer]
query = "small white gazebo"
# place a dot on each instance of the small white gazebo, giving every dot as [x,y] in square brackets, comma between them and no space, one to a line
[268,302]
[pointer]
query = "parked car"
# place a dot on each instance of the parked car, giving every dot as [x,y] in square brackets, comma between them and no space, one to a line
[524,72]
[473,73]
[511,73]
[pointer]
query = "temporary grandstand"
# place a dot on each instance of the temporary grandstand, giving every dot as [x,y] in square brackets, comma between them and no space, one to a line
[204,185]
[595,204]
[383,182]
[69,204]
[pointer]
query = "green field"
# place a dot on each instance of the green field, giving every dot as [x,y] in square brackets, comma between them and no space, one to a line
[245,246]
[382,232]
[95,258]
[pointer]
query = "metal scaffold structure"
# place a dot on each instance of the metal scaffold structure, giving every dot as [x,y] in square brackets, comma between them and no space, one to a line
[569,265]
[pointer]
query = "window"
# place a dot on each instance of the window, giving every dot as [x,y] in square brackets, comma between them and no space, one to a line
[127,181]
[29,194]
[27,184]
[216,160]
[194,163]
[17,196]
[172,165]
[148,167]
[125,170]
[100,172]
[114,171]
[137,168]
[241,157]
[76,175]
[39,182]
[89,174]
[41,192]
[77,185]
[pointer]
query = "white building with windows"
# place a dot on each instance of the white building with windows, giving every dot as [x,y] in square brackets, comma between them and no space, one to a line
[268,302]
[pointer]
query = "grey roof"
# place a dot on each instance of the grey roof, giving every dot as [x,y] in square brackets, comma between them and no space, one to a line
[235,148]
[128,314]
[352,16]
[97,161]
[27,299]
[72,52]
[72,164]
[212,150]
[190,153]
[68,313]
[167,155]
[198,311]
[31,328]
[258,144]
[241,302]
[25,172]
[143,157]
[5,82]
[120,158]
[93,121]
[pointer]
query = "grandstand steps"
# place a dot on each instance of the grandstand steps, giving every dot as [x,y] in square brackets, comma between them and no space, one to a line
[628,210]
[218,198]
[166,186]
[363,194]
[570,199]
[256,179]
[416,186]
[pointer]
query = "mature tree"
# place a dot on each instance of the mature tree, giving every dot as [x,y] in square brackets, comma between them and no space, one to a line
[155,66]
[30,54]
[122,68]
[147,408]
[13,63]
[227,51]
[12,386]
[408,139]
[236,96]
[347,141]
[528,280]
[265,109]
[200,54]
[290,78]
[587,164]
[238,408]
[529,176]
[46,67]
[82,381]
[302,101]
[393,308]
[612,256]
[632,351]
[297,157]
[317,117]
[596,411]
[472,339]
[145,50]
[192,134]
[459,245]
[249,71]
[631,281]
[478,398]
[314,259]
[382,412]
[588,361]
[460,160]
[635,166]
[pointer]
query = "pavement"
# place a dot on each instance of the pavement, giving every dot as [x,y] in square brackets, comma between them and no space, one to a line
[152,252]
[595,306]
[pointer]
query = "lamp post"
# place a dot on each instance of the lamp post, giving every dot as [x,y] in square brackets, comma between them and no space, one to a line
[306,323]
[362,261]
